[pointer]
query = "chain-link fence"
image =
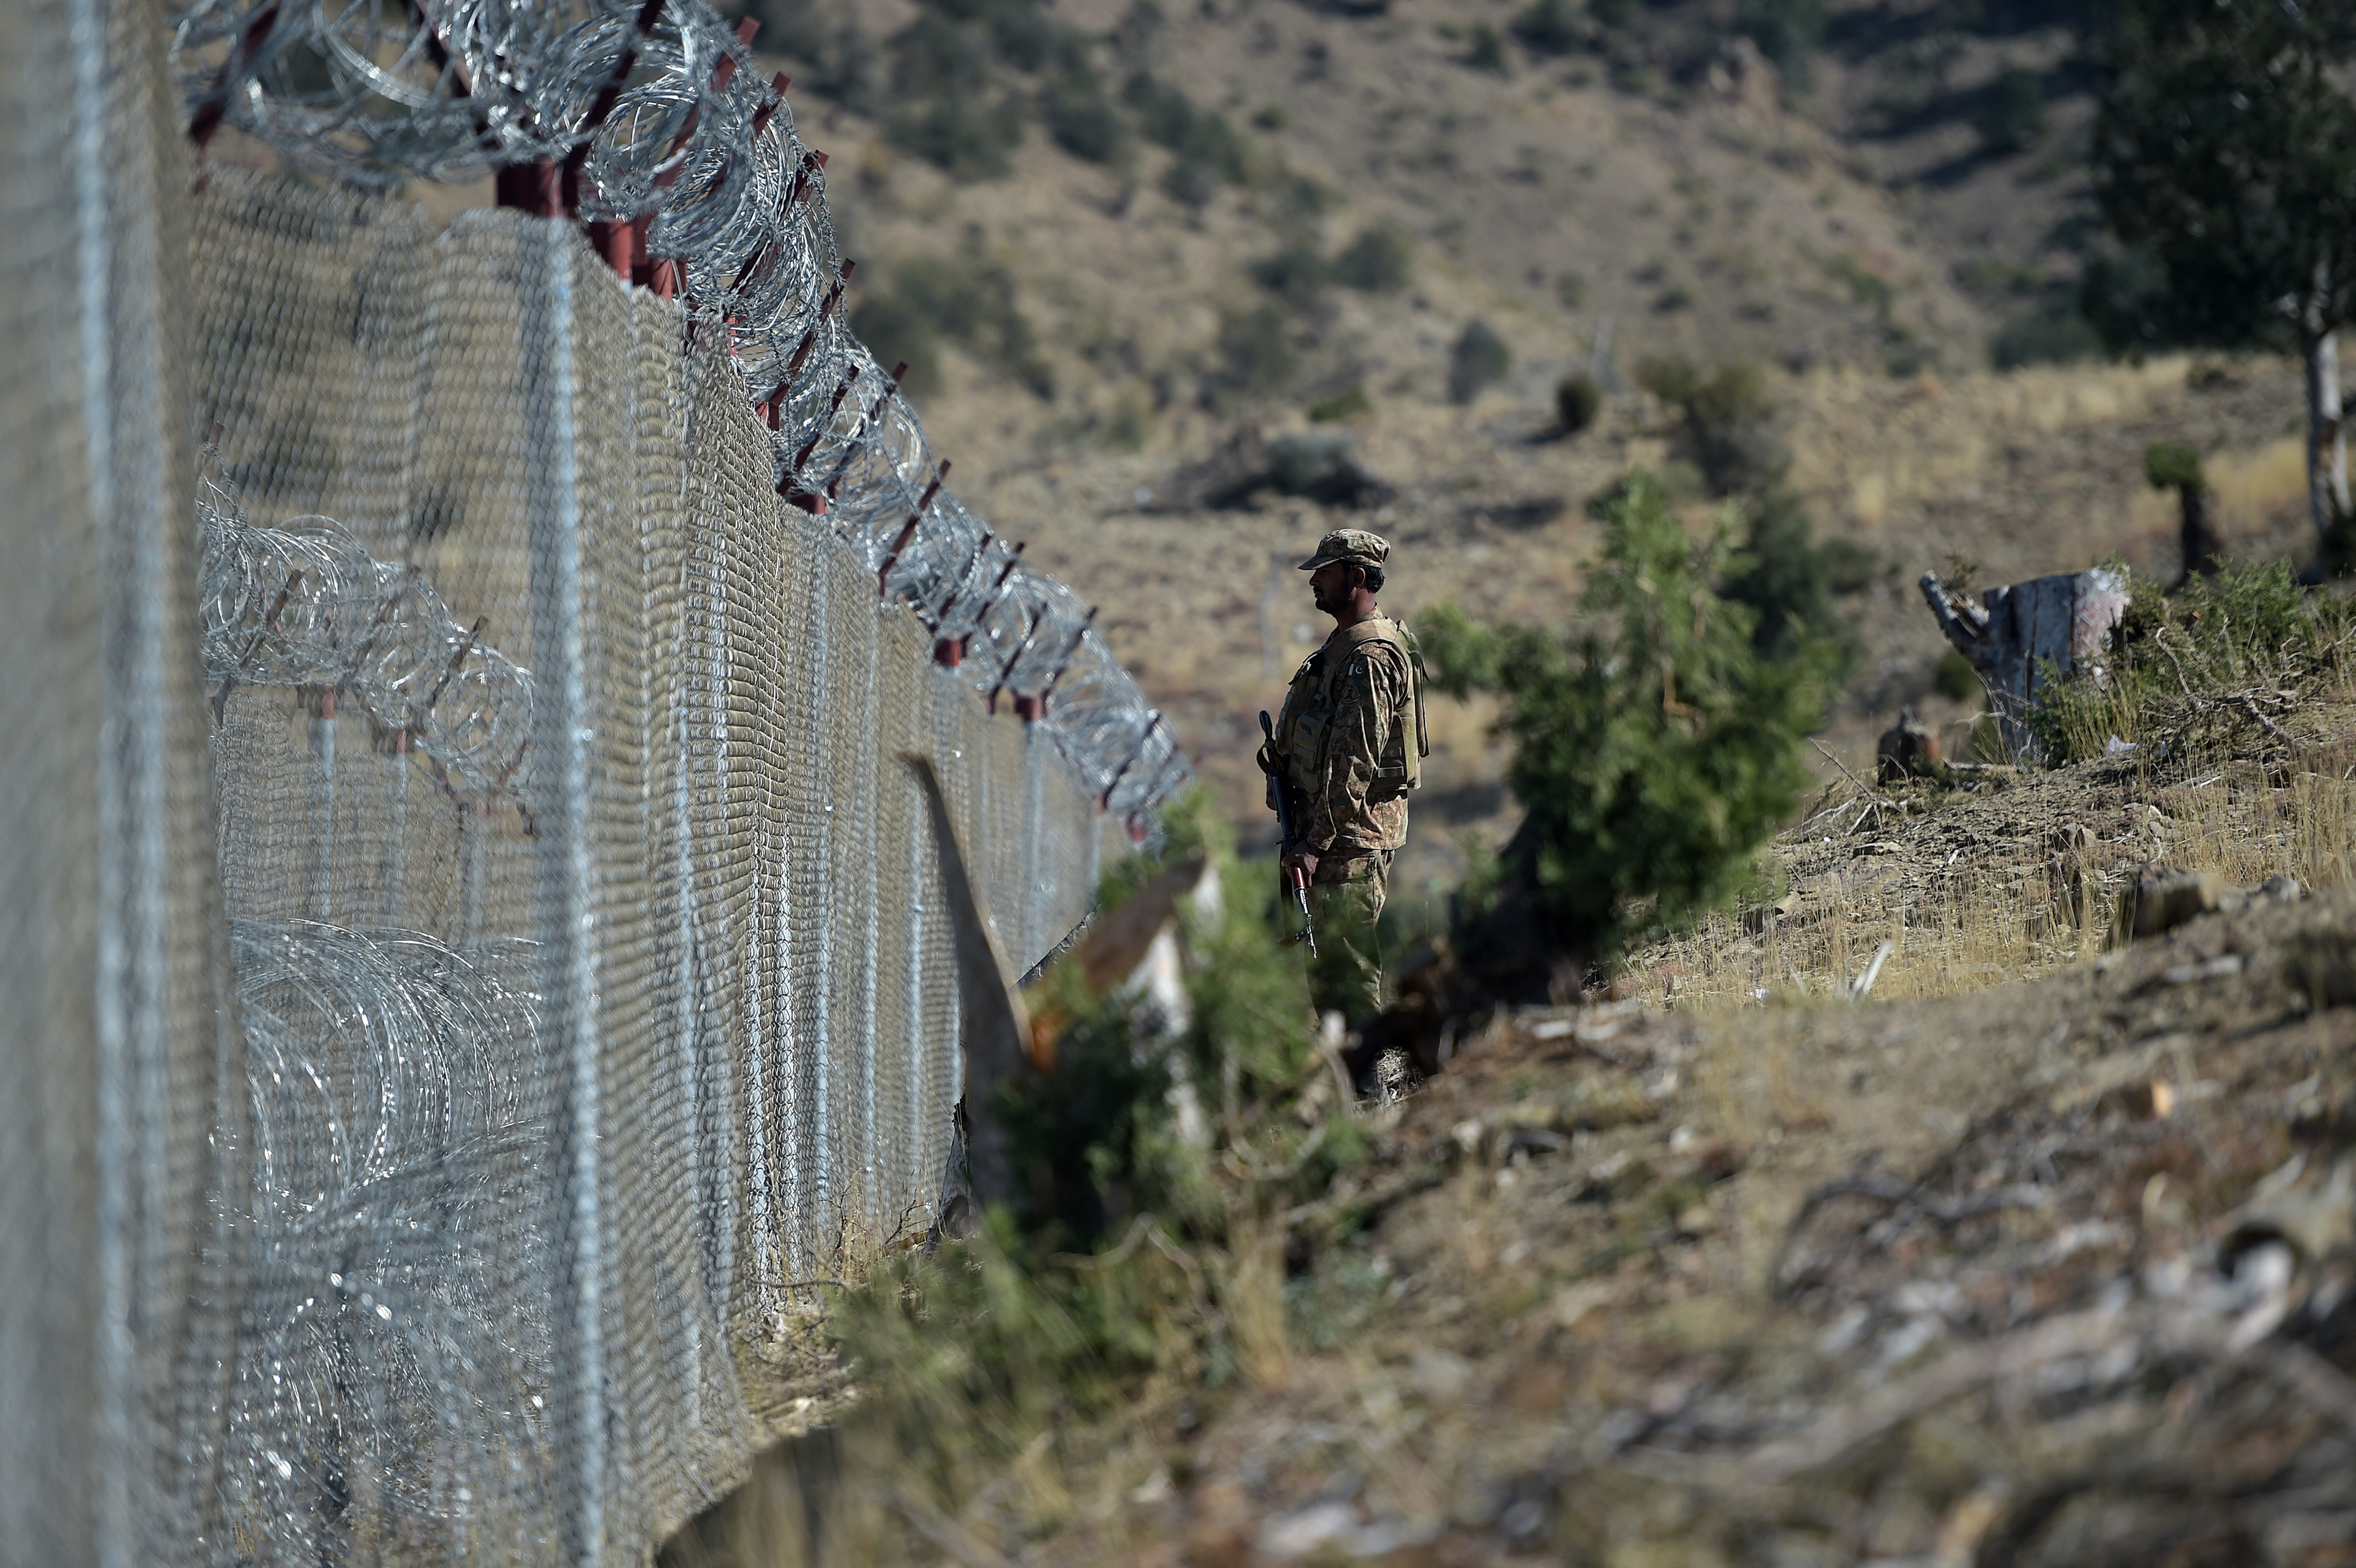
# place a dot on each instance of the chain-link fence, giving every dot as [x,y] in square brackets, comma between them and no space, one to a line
[491,832]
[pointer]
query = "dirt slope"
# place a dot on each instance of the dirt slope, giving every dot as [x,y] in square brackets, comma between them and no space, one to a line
[1980,1280]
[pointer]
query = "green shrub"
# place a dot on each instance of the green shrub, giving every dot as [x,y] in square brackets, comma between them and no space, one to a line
[1726,420]
[2052,334]
[843,64]
[1787,580]
[1083,1161]
[1653,748]
[964,134]
[2013,119]
[1550,28]
[1571,290]
[1577,401]
[1099,1291]
[1379,261]
[1479,360]
[1955,679]
[1787,32]
[1082,118]
[952,114]
[2173,466]
[1295,270]
[1164,113]
[1485,48]
[1849,567]
[1256,351]
[894,330]
[2229,660]
[1350,403]
[970,299]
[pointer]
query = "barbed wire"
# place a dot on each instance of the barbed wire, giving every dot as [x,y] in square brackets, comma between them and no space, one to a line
[306,606]
[642,122]
[399,1139]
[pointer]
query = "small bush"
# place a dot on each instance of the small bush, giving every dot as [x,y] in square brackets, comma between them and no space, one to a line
[1256,350]
[1849,567]
[1350,403]
[1726,420]
[1577,401]
[1787,32]
[843,65]
[1203,142]
[2013,119]
[1164,113]
[1297,271]
[1787,580]
[1955,679]
[971,299]
[1550,28]
[2228,660]
[968,136]
[1480,359]
[2052,334]
[951,114]
[1571,290]
[1379,261]
[2173,466]
[1485,48]
[1654,748]
[1300,462]
[896,330]
[1082,118]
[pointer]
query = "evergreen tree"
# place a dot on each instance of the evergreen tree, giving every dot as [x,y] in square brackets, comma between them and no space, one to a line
[1655,748]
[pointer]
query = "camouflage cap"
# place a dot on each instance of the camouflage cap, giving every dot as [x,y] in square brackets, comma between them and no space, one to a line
[1355,546]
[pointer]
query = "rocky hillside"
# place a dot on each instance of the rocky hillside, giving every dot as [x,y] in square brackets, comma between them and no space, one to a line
[1108,235]
[2059,1271]
[1102,223]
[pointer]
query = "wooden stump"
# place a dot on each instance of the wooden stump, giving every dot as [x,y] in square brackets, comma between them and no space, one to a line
[2014,631]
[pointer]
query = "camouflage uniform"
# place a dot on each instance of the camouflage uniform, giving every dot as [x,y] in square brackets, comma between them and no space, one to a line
[1344,752]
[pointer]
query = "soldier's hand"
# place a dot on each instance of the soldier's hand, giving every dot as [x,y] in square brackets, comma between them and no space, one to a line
[1303,862]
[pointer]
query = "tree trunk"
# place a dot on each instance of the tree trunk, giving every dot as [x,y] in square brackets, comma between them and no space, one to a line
[2327,445]
[2198,538]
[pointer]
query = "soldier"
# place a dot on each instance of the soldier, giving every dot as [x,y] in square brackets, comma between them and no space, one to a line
[1347,751]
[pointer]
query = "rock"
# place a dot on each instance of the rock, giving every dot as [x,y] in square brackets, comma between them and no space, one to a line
[1439,1375]
[2163,898]
[2313,1213]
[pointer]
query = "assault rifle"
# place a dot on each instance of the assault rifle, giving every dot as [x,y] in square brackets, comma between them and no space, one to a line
[1293,877]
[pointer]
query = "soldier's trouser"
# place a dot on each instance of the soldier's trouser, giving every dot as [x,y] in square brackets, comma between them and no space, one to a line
[1345,900]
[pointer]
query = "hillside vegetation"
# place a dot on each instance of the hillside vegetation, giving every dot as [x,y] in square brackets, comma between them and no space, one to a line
[1965,1177]
[1107,236]
[1136,217]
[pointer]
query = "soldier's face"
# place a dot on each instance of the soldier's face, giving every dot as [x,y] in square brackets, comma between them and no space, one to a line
[1329,585]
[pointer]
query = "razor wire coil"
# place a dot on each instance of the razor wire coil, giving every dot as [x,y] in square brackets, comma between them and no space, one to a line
[648,117]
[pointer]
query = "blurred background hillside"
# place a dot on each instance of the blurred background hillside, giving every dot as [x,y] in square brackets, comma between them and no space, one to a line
[1184,284]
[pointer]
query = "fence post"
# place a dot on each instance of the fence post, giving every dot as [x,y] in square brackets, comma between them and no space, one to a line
[565,874]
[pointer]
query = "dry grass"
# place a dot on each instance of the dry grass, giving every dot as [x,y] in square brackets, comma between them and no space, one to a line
[2013,904]
[2251,486]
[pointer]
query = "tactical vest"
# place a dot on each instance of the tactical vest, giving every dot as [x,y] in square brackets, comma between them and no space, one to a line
[1301,734]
